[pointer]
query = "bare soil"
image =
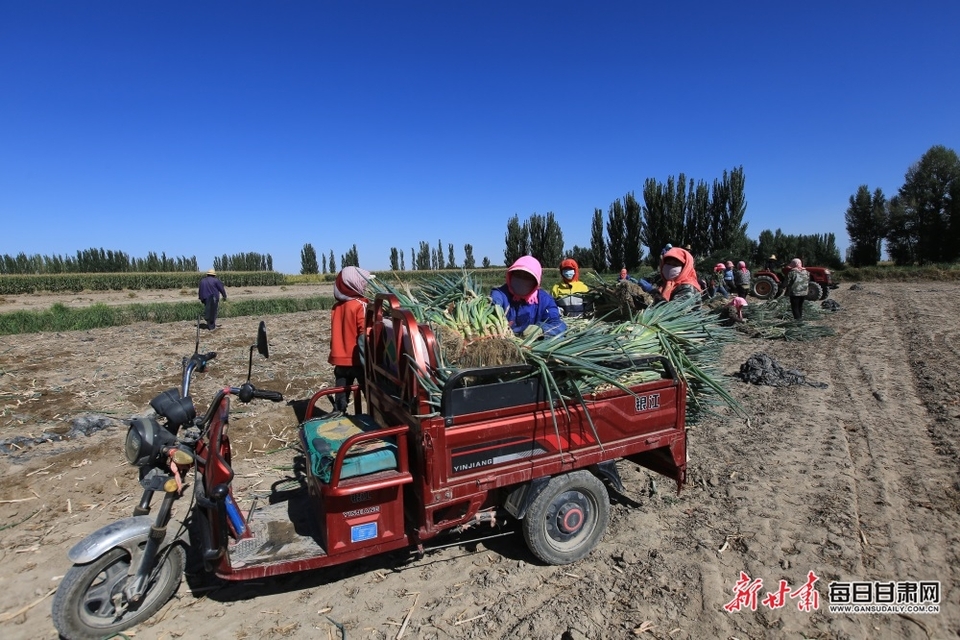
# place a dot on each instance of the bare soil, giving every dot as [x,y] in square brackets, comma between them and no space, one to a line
[857,481]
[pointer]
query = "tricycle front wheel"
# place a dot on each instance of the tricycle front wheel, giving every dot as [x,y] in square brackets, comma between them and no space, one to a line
[86,603]
[567,520]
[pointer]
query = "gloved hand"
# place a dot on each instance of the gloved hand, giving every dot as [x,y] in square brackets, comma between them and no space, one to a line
[531,332]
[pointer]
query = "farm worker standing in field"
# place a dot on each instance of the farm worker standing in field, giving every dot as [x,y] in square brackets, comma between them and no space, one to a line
[728,279]
[568,291]
[530,309]
[210,291]
[715,282]
[741,277]
[679,277]
[796,284]
[346,327]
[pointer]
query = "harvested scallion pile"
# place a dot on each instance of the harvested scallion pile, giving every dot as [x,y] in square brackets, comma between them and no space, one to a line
[590,356]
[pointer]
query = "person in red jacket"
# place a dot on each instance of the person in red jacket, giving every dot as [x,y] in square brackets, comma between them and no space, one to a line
[346,328]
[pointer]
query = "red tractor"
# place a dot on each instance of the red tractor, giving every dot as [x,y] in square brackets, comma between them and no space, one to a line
[768,284]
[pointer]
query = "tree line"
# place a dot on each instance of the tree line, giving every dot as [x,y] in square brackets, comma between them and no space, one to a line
[109,261]
[310,265]
[250,261]
[920,224]
[706,219]
[426,258]
[94,261]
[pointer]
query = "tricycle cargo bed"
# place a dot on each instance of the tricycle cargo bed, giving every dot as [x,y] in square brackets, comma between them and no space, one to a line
[494,430]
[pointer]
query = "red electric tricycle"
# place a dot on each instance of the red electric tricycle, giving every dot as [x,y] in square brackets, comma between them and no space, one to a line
[493,446]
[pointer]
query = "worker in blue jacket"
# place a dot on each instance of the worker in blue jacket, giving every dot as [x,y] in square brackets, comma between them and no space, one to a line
[530,310]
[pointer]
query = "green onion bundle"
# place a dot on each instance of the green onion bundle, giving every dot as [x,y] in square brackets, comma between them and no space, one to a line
[773,320]
[590,356]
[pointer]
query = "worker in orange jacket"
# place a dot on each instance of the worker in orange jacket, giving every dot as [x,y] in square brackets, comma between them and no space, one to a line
[346,329]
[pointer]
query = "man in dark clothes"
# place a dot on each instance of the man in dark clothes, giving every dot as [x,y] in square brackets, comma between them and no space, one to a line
[210,291]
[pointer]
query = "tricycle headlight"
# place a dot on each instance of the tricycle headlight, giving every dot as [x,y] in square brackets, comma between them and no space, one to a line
[145,442]
[133,444]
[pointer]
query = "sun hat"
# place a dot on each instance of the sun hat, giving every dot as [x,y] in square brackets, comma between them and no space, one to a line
[211,272]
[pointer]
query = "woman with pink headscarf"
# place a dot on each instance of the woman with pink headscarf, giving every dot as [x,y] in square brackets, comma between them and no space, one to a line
[796,285]
[741,278]
[737,305]
[529,308]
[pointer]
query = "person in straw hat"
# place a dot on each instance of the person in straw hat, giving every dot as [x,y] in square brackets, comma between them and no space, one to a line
[210,291]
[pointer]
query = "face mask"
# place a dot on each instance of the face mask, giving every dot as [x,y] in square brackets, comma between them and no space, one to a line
[670,272]
[567,274]
[522,287]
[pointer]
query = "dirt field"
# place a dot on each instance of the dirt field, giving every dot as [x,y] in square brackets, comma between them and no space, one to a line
[855,482]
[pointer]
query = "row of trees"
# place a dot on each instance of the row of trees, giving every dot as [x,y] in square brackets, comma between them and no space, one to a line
[427,258]
[244,262]
[681,212]
[921,224]
[309,264]
[94,261]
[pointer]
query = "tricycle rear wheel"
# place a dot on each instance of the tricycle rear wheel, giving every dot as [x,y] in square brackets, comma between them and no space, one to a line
[568,518]
[84,606]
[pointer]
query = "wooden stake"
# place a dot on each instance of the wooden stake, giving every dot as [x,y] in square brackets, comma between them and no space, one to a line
[403,627]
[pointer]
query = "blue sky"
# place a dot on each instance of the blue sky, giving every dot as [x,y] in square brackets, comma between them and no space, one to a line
[210,128]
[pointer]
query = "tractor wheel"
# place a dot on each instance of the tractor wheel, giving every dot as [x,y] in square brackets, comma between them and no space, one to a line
[765,288]
[814,291]
[566,521]
[826,292]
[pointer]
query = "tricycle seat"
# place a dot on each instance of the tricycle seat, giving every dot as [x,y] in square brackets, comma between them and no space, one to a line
[323,437]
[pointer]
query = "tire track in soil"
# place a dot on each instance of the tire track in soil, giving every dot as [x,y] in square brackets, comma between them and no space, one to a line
[900,523]
[932,333]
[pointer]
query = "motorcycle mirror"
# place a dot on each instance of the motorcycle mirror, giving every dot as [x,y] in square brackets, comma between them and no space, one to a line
[262,347]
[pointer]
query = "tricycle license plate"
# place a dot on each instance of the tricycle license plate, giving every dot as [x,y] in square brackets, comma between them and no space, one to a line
[361,532]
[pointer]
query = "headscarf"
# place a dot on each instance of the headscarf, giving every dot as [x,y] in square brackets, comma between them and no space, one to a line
[742,265]
[729,264]
[623,274]
[738,303]
[527,264]
[570,263]
[687,273]
[796,264]
[351,282]
[719,267]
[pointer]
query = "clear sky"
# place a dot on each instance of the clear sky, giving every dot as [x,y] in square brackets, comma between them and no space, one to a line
[208,128]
